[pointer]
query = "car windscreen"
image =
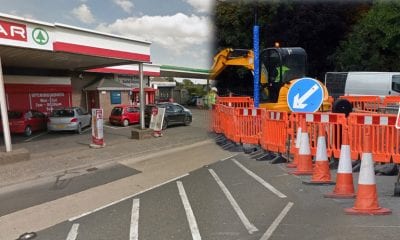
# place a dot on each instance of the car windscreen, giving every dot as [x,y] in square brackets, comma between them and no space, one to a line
[117,111]
[63,113]
[14,115]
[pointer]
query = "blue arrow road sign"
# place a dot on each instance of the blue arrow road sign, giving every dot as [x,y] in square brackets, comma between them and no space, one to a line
[305,95]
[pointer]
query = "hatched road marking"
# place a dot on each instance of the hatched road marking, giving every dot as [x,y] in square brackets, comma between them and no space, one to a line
[276,222]
[260,180]
[249,226]
[73,233]
[125,198]
[194,229]
[134,230]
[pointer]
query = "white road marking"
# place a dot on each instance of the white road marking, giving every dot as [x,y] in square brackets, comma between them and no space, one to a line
[234,155]
[194,229]
[73,233]
[125,198]
[121,127]
[39,135]
[249,226]
[134,232]
[276,222]
[260,180]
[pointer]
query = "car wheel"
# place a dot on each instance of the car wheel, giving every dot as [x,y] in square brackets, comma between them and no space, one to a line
[164,124]
[125,123]
[187,121]
[79,129]
[28,131]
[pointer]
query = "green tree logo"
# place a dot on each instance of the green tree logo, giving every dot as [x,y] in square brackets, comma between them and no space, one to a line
[40,36]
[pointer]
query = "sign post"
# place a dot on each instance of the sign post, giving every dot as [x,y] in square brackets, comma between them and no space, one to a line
[97,129]
[305,95]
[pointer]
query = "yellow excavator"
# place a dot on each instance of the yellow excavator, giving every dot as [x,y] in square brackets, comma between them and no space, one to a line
[233,71]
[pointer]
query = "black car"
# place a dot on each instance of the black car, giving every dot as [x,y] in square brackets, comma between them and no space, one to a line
[174,114]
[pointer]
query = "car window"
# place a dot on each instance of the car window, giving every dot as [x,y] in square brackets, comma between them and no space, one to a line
[36,114]
[14,114]
[177,108]
[79,111]
[396,83]
[117,111]
[169,109]
[28,114]
[63,113]
[132,109]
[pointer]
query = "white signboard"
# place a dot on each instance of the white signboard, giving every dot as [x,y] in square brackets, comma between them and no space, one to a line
[97,127]
[157,120]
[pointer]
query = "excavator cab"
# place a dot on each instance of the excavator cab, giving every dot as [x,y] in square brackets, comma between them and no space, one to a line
[279,66]
[233,71]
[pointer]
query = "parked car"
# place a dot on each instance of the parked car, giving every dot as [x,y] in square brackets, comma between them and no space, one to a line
[68,119]
[124,115]
[193,100]
[26,121]
[174,114]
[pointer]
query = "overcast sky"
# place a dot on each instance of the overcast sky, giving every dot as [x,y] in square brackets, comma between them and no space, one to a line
[180,30]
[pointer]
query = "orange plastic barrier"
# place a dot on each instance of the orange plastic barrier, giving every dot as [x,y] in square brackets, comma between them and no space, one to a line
[274,131]
[248,124]
[364,103]
[385,138]
[216,119]
[236,101]
[391,104]
[331,123]
[229,123]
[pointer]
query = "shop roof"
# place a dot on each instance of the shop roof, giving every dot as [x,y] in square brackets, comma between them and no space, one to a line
[26,43]
[106,84]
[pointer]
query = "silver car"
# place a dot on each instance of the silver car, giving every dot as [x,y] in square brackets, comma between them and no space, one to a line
[68,119]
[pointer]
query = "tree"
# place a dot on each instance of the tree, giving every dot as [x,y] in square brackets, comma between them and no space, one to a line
[374,43]
[318,27]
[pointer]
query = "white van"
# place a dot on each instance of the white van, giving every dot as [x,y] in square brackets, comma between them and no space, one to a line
[373,83]
[362,83]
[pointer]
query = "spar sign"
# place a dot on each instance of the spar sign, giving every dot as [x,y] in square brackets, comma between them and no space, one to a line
[25,35]
[13,31]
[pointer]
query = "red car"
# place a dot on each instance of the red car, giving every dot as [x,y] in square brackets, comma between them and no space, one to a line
[124,115]
[26,121]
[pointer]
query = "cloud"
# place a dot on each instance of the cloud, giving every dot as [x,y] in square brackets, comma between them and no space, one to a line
[202,6]
[84,14]
[178,32]
[126,5]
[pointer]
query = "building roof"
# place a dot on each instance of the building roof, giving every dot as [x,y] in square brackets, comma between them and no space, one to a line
[106,84]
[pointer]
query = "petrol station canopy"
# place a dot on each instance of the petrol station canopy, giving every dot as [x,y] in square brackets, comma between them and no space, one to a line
[34,44]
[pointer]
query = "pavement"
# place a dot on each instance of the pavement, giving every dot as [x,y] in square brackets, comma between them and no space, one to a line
[70,153]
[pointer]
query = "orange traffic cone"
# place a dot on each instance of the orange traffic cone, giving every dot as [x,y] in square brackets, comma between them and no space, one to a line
[344,177]
[293,164]
[367,198]
[321,172]
[304,164]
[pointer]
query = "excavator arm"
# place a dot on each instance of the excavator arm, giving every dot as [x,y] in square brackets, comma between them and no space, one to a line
[232,57]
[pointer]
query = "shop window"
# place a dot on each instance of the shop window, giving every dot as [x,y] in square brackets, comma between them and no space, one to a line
[115,97]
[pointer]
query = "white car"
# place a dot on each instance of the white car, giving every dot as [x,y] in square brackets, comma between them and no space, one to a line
[68,119]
